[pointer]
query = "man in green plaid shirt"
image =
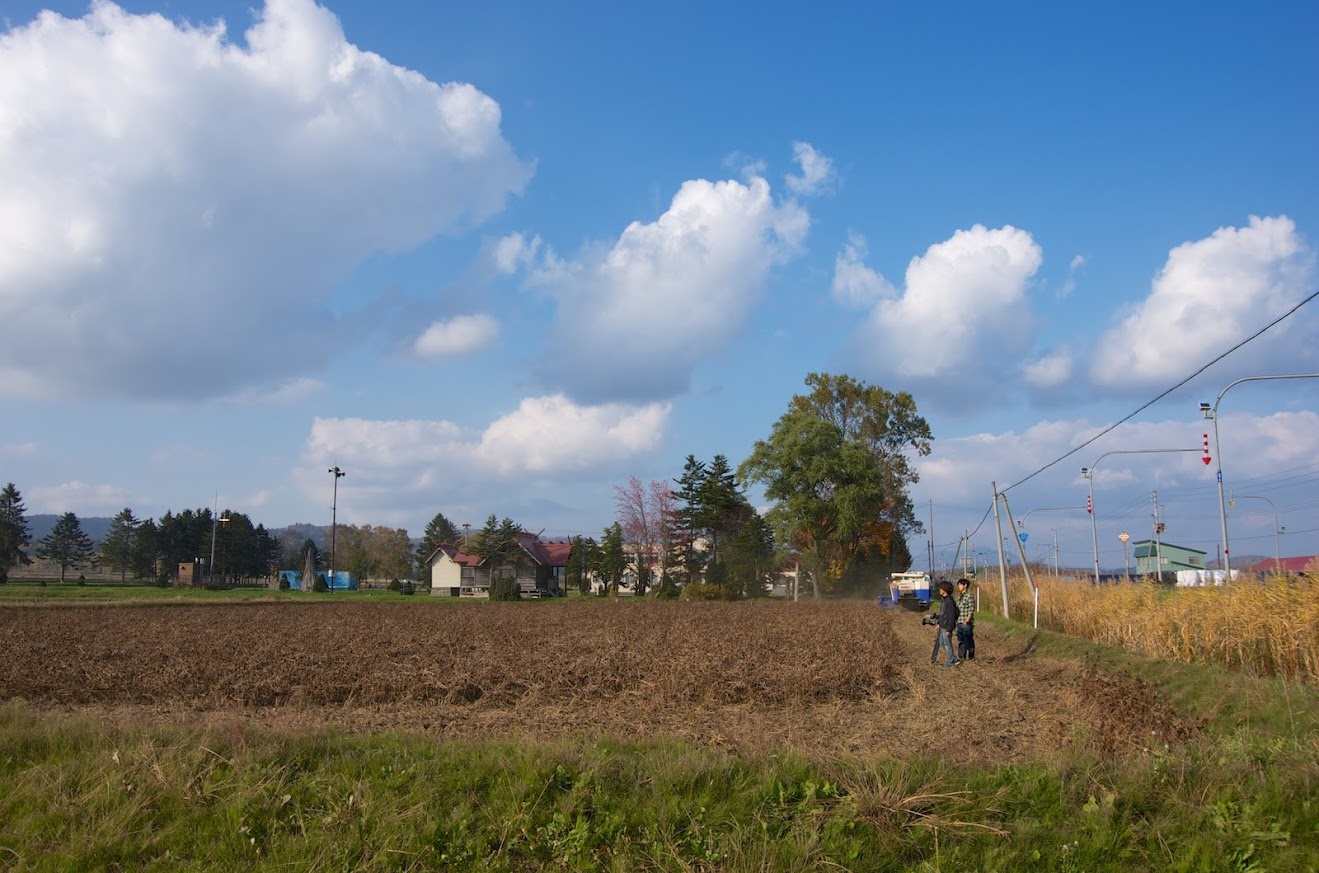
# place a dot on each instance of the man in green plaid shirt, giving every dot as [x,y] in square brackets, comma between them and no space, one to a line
[966,611]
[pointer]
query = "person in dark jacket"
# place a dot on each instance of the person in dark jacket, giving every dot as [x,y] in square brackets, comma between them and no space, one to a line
[947,622]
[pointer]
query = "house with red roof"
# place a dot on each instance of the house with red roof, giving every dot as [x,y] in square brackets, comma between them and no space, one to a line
[1285,565]
[455,572]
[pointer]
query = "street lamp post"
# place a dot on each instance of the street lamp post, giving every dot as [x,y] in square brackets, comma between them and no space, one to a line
[1211,413]
[1277,531]
[215,520]
[334,521]
[1089,473]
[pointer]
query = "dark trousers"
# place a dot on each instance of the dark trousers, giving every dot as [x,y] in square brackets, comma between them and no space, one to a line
[966,641]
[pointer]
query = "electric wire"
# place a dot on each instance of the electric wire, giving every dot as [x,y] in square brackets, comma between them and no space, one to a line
[1163,394]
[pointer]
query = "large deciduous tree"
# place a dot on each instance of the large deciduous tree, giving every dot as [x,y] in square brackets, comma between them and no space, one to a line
[645,513]
[838,465]
[15,536]
[67,545]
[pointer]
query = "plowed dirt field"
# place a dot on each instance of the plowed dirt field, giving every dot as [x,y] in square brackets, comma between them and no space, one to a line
[825,678]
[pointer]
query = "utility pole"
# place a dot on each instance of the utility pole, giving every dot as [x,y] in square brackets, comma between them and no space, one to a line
[334,520]
[1158,541]
[932,570]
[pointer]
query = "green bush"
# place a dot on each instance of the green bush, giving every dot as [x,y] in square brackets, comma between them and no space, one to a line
[668,589]
[319,584]
[705,591]
[504,588]
[394,585]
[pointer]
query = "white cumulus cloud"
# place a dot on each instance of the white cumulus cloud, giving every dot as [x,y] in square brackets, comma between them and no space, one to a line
[636,317]
[963,321]
[81,497]
[540,448]
[1211,294]
[548,434]
[1049,370]
[854,283]
[457,336]
[514,252]
[817,171]
[169,191]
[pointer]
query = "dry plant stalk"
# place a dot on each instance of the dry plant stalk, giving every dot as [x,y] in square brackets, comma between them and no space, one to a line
[1265,626]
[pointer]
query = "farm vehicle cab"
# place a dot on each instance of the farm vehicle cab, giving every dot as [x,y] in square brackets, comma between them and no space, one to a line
[910,590]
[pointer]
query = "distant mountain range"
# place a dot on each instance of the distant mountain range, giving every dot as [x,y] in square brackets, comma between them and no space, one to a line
[42,525]
[98,528]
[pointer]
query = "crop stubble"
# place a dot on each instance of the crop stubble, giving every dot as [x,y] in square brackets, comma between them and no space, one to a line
[829,677]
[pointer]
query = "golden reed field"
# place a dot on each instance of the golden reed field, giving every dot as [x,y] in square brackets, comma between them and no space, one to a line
[1262,626]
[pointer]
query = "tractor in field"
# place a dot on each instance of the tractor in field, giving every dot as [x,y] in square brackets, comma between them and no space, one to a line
[910,590]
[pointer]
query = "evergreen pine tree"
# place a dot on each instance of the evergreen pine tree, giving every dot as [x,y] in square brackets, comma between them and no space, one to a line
[439,530]
[15,537]
[67,545]
[118,551]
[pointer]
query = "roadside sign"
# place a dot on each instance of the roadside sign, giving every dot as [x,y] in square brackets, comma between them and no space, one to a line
[1124,536]
[1023,536]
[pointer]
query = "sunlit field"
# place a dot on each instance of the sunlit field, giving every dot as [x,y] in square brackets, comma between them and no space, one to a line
[1265,626]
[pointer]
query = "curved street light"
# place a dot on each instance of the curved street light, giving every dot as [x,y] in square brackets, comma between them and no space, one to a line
[1211,413]
[1089,473]
[1277,531]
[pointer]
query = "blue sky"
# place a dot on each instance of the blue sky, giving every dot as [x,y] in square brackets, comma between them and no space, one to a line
[498,257]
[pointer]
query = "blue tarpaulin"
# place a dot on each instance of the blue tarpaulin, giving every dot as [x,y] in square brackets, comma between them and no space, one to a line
[343,580]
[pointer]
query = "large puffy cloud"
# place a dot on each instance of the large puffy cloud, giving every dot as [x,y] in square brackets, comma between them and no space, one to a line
[963,320]
[544,446]
[168,193]
[1210,295]
[635,318]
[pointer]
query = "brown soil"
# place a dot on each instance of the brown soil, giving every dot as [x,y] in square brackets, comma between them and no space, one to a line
[828,678]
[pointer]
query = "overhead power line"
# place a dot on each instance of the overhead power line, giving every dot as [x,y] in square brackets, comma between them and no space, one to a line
[1163,394]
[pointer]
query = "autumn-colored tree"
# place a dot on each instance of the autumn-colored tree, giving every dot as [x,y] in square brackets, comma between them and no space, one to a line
[837,466]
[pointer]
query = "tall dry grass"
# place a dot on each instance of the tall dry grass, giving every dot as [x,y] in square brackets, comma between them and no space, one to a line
[1265,626]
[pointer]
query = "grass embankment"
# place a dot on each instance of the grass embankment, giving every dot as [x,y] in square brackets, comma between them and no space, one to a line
[1267,627]
[79,795]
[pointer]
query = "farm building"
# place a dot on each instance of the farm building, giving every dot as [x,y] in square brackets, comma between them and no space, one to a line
[1170,557]
[455,572]
[1289,565]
